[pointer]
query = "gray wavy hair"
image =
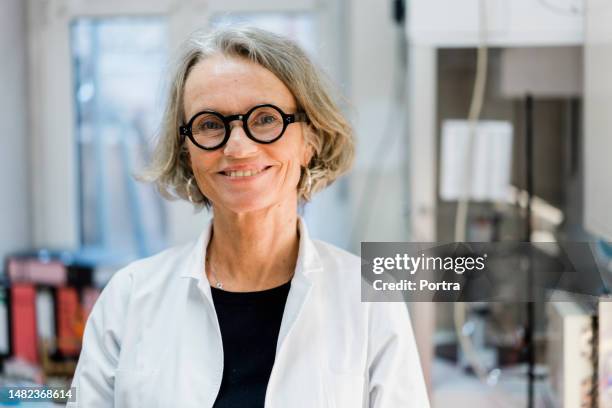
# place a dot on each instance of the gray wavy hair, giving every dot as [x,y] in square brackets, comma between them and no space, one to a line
[328,132]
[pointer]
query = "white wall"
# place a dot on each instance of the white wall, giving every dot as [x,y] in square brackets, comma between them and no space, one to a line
[452,23]
[378,174]
[15,225]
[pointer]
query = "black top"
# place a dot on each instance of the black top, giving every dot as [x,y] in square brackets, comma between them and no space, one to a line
[249,322]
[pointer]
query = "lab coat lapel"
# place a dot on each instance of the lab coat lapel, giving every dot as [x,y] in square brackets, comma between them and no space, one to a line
[196,269]
[200,366]
[307,263]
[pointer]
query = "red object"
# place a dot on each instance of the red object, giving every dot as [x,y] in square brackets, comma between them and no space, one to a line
[23,322]
[69,321]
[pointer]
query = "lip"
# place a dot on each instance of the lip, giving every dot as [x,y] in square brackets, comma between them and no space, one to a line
[244,167]
[262,172]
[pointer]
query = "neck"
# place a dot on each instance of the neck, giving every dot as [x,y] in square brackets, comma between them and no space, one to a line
[253,251]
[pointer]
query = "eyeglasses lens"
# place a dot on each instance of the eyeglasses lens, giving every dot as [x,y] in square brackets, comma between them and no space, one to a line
[265,124]
[208,130]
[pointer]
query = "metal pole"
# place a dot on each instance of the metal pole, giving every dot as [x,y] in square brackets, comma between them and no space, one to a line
[529,329]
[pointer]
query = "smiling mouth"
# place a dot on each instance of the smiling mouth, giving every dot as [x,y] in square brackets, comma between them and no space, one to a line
[243,173]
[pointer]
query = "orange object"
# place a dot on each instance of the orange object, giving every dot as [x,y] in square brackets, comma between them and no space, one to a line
[69,321]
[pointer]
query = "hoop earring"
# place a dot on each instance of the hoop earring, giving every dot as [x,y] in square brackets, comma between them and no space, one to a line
[189,184]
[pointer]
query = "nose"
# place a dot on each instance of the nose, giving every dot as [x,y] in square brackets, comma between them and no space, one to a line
[239,144]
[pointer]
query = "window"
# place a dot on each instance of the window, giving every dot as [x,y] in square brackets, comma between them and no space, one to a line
[118,64]
[97,95]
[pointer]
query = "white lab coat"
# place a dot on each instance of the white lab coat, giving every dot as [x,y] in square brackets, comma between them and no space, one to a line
[153,339]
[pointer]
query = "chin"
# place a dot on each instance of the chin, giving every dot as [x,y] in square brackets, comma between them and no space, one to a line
[249,204]
[244,208]
[243,204]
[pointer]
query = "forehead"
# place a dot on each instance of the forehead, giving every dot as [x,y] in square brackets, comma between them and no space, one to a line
[232,85]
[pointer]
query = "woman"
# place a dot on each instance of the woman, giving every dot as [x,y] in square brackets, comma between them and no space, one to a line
[254,313]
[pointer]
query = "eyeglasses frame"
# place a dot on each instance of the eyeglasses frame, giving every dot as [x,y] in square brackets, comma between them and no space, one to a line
[288,118]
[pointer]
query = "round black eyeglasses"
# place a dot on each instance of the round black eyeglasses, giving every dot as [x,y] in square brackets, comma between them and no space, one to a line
[210,130]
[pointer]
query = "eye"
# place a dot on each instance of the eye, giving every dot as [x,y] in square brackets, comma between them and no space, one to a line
[210,125]
[266,119]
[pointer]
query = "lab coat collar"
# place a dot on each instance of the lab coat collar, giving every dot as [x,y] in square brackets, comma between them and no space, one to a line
[308,260]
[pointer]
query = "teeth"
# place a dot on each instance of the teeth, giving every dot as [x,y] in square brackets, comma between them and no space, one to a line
[240,173]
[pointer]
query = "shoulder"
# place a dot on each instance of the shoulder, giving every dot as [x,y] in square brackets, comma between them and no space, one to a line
[342,275]
[162,262]
[341,260]
[153,271]
[341,269]
[339,278]
[133,291]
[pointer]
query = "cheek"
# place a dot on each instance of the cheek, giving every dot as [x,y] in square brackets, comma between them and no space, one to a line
[200,163]
[292,164]
[199,160]
[295,150]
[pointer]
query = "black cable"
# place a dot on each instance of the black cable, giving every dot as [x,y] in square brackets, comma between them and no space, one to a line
[399,11]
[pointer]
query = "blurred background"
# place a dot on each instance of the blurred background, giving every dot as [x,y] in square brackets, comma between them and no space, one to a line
[476,120]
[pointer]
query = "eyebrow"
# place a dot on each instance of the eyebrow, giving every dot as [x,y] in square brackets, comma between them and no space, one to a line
[226,112]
